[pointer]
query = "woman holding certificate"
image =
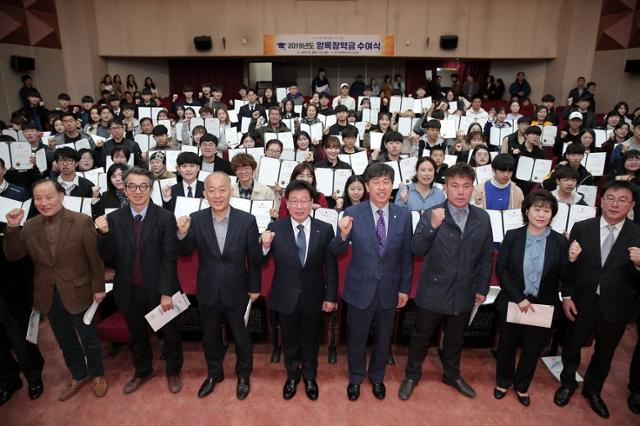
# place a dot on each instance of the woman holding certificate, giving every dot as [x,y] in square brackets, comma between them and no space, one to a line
[533,260]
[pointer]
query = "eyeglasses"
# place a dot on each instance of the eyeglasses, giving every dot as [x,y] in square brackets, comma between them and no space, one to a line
[299,202]
[610,199]
[143,187]
[274,151]
[207,144]
[66,161]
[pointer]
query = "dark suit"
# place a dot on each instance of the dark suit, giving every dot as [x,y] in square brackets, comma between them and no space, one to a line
[157,252]
[245,111]
[225,277]
[83,189]
[177,190]
[220,165]
[605,315]
[297,292]
[511,276]
[372,285]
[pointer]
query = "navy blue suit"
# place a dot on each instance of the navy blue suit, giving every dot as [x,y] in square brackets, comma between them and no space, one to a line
[298,291]
[372,284]
[225,277]
[177,190]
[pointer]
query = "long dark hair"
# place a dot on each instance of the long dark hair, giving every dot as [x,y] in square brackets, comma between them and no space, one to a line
[345,193]
[111,171]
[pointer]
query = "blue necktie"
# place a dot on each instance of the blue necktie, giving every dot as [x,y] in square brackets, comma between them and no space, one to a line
[301,242]
[189,192]
[138,218]
[381,233]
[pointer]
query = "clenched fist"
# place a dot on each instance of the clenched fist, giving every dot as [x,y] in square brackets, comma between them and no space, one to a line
[14,217]
[183,224]
[102,224]
[437,217]
[574,251]
[95,191]
[345,225]
[267,238]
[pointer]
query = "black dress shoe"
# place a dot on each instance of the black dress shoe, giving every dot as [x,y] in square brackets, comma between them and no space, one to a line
[7,392]
[461,386]
[524,399]
[311,389]
[35,389]
[498,394]
[406,388]
[634,402]
[353,392]
[243,388]
[208,385]
[597,404]
[562,396]
[379,390]
[290,387]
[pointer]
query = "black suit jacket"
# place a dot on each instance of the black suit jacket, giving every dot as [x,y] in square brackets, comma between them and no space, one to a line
[158,255]
[314,282]
[245,112]
[229,274]
[177,190]
[510,271]
[83,189]
[619,279]
[221,165]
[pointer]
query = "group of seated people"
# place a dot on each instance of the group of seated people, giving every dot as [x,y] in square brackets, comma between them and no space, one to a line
[551,179]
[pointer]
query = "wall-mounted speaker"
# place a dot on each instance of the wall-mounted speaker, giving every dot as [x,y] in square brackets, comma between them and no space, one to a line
[202,43]
[21,63]
[448,42]
[632,65]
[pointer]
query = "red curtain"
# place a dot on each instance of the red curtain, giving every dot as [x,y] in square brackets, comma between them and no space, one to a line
[227,73]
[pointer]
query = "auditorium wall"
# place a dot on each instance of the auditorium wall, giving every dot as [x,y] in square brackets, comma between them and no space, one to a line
[613,83]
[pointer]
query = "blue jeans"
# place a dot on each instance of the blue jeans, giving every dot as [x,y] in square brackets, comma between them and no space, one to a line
[77,341]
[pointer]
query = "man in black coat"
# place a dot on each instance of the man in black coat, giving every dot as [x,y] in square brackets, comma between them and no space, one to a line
[228,277]
[304,285]
[602,297]
[140,241]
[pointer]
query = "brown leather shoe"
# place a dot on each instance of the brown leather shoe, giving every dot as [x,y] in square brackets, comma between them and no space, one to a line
[135,383]
[71,388]
[175,384]
[100,386]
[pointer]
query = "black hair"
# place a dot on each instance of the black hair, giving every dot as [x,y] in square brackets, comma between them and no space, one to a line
[426,160]
[116,121]
[122,149]
[575,148]
[188,158]
[274,142]
[377,170]
[548,98]
[159,130]
[350,132]
[25,78]
[533,130]
[632,153]
[460,169]
[66,152]
[64,97]
[504,163]
[139,171]
[540,197]
[345,194]
[613,184]
[111,171]
[300,185]
[566,172]
[86,98]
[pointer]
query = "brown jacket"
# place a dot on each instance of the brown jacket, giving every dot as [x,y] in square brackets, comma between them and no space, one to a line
[76,269]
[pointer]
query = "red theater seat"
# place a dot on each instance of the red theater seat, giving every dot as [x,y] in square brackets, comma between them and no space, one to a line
[113,329]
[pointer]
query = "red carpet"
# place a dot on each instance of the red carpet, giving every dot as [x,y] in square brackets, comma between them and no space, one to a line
[432,401]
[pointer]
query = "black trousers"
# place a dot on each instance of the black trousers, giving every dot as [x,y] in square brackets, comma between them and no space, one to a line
[532,340]
[607,336]
[301,334]
[212,339]
[139,337]
[358,325]
[13,329]
[427,325]
[634,369]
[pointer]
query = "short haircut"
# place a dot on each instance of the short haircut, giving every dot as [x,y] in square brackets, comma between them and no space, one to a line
[331,142]
[26,77]
[116,121]
[533,130]
[216,89]
[392,136]
[86,98]
[274,142]
[123,149]
[432,124]
[67,114]
[138,171]
[64,97]
[198,129]
[43,181]
[350,132]
[566,172]
[103,107]
[187,88]
[188,158]
[548,98]
[160,130]
[111,171]
[243,160]
[460,170]
[575,148]
[205,109]
[275,108]
[377,170]
[114,98]
[504,163]
[66,152]
[128,106]
[541,197]
[208,137]
[439,147]
[84,151]
[474,97]
[300,185]
[142,120]
[524,119]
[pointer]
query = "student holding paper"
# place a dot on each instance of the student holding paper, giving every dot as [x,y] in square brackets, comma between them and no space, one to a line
[116,128]
[253,109]
[244,167]
[532,149]
[390,150]
[331,151]
[161,137]
[304,172]
[354,192]
[139,241]
[73,185]
[273,125]
[421,194]
[9,190]
[305,148]
[227,241]
[305,284]
[513,143]
[158,166]
[188,165]
[448,290]
[343,99]
[566,183]
[572,158]
[349,140]
[533,261]
[210,161]
[379,276]
[65,285]
[71,133]
[499,193]
[480,156]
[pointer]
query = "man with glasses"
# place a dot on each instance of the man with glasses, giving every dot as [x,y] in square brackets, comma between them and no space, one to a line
[71,133]
[74,185]
[602,297]
[210,161]
[117,132]
[140,241]
[304,285]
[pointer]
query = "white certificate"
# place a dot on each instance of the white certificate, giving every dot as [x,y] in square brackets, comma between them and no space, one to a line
[241,204]
[187,205]
[233,116]
[375,140]
[157,318]
[395,104]
[314,130]
[539,316]
[408,169]
[281,93]
[231,136]
[286,169]
[340,177]
[407,104]
[77,204]
[533,170]
[594,162]
[483,174]
[8,204]
[287,139]
[244,124]
[404,126]
[261,209]
[41,159]
[549,135]
[329,216]
[397,179]
[589,194]
[324,179]
[359,162]
[330,120]
[268,171]
[156,193]
[448,128]
[602,136]
[290,123]
[143,141]
[238,103]
[212,126]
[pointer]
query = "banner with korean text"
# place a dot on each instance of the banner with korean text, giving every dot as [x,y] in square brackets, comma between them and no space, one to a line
[329,45]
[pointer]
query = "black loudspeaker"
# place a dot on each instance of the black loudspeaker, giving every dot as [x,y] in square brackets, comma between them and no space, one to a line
[202,42]
[448,42]
[21,63]
[632,66]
